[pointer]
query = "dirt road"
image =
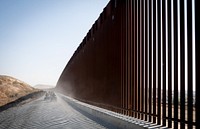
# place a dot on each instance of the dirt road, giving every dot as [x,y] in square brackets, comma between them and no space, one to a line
[48,112]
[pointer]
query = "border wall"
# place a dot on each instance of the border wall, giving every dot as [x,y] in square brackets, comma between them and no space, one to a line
[140,58]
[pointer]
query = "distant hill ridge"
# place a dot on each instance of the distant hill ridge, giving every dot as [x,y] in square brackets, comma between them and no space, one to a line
[43,86]
[12,89]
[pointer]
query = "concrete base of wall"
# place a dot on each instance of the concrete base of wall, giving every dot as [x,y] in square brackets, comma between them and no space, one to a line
[108,118]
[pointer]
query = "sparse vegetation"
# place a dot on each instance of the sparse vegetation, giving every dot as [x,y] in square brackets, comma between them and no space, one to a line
[15,82]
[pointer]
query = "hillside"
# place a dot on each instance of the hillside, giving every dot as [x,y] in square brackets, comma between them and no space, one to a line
[12,89]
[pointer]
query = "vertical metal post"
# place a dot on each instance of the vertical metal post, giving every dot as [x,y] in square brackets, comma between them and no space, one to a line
[175,65]
[141,60]
[146,56]
[154,61]
[159,11]
[182,83]
[150,56]
[164,62]
[139,54]
[190,74]
[135,58]
[169,67]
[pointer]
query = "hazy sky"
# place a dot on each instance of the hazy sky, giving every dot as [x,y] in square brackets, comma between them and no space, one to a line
[38,37]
